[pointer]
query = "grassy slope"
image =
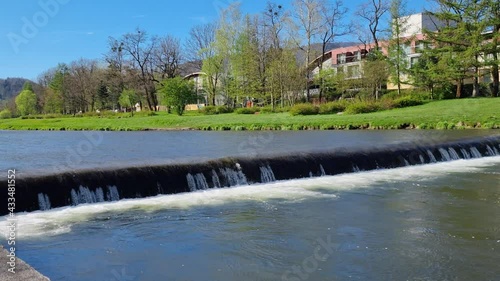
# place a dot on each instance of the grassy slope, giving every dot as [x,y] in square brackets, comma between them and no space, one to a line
[441,114]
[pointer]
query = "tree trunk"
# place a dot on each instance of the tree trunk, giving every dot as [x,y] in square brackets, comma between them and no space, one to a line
[496,83]
[459,89]
[475,87]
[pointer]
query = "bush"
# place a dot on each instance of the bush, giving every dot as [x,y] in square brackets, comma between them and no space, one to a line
[362,107]
[445,92]
[5,114]
[304,109]
[407,102]
[213,110]
[282,109]
[247,110]
[143,113]
[332,107]
[266,110]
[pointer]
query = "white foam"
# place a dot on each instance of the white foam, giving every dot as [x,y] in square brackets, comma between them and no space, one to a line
[59,221]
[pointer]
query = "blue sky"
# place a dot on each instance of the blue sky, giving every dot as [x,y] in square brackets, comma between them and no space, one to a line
[68,30]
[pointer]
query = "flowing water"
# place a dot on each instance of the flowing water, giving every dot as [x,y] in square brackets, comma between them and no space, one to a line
[438,221]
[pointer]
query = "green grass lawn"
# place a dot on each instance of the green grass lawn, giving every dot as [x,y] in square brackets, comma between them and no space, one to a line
[449,114]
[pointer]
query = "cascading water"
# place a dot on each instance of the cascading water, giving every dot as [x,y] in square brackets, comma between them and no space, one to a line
[44,202]
[86,187]
[267,174]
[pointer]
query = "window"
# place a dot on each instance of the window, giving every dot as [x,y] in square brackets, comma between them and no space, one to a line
[407,48]
[353,71]
[341,58]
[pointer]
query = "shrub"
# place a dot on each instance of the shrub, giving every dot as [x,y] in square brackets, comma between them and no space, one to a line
[143,113]
[362,107]
[304,109]
[332,107]
[266,110]
[282,109]
[247,110]
[407,102]
[213,110]
[5,114]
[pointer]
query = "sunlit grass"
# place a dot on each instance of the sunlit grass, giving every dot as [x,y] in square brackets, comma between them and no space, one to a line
[450,114]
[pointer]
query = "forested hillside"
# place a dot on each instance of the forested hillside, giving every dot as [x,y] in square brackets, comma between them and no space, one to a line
[10,87]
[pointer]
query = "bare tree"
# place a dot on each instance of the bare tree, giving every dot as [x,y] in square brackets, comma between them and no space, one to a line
[372,11]
[197,45]
[333,27]
[83,83]
[139,48]
[167,57]
[308,24]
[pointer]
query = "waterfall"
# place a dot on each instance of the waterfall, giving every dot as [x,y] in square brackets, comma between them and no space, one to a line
[355,168]
[444,154]
[475,153]
[87,186]
[201,182]
[84,196]
[322,170]
[453,153]
[43,202]
[197,182]
[113,194]
[465,153]
[191,182]
[233,178]
[266,174]
[431,156]
[216,180]
[422,160]
[491,152]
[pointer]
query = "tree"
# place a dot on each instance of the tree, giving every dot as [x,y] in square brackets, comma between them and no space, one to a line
[309,22]
[102,95]
[274,55]
[333,27]
[493,49]
[372,12]
[138,48]
[375,74]
[128,99]
[177,93]
[398,59]
[26,101]
[167,57]
[460,41]
[53,101]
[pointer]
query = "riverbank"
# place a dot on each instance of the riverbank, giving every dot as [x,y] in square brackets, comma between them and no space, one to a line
[481,113]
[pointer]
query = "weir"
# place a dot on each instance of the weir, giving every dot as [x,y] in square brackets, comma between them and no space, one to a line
[92,186]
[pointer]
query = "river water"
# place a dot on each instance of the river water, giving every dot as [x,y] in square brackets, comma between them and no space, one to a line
[431,222]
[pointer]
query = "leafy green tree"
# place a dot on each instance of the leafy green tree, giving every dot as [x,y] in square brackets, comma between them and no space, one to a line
[53,101]
[375,74]
[397,58]
[493,49]
[128,99]
[27,86]
[26,101]
[459,43]
[177,93]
